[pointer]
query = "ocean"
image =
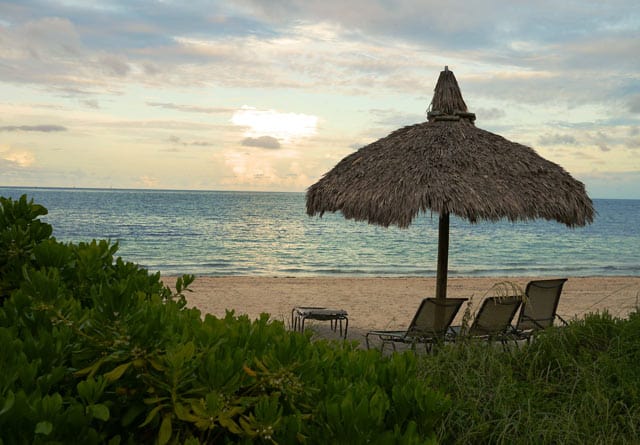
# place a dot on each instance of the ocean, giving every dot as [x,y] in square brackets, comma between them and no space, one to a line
[269,234]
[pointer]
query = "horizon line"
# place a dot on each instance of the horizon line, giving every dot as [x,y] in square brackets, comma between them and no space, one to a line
[129,189]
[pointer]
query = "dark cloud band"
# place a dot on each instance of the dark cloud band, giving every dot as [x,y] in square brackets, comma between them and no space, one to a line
[262,142]
[39,128]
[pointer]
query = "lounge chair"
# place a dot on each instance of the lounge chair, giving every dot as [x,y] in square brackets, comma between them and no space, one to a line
[492,321]
[539,307]
[429,324]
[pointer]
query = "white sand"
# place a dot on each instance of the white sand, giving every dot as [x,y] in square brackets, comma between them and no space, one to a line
[388,303]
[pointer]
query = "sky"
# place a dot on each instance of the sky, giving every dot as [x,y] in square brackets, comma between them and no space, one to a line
[270,95]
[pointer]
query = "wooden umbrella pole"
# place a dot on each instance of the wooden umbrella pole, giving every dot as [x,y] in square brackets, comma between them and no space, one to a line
[443,256]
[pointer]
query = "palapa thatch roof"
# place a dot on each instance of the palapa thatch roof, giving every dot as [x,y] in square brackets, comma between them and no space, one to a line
[448,165]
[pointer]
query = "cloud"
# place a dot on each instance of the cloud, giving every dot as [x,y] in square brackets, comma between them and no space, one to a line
[16,158]
[312,68]
[20,158]
[51,37]
[180,141]
[91,103]
[262,170]
[604,49]
[492,27]
[603,141]
[114,65]
[489,114]
[246,169]
[190,108]
[282,126]
[369,47]
[612,184]
[148,181]
[262,141]
[38,128]
[633,104]
[557,139]
[49,51]
[395,119]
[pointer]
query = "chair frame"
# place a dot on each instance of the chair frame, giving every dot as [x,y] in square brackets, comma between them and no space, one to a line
[537,324]
[413,335]
[500,332]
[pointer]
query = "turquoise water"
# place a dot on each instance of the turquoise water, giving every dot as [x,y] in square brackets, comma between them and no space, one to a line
[247,233]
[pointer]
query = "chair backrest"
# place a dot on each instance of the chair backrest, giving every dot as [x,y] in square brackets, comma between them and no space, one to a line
[495,315]
[434,316]
[539,308]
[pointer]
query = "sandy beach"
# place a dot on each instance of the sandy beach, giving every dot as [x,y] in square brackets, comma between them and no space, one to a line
[387,303]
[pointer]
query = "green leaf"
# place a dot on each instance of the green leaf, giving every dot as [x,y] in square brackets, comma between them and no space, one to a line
[100,411]
[229,424]
[154,400]
[91,369]
[117,372]
[44,427]
[152,414]
[133,411]
[51,404]
[164,435]
[183,413]
[248,427]
[91,390]
[156,364]
[8,402]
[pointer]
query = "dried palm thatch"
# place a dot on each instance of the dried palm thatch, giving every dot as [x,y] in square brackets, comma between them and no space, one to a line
[448,165]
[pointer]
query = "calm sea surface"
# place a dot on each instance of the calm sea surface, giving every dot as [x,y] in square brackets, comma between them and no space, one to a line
[246,233]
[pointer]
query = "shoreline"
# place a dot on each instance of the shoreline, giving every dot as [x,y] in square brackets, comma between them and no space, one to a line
[388,302]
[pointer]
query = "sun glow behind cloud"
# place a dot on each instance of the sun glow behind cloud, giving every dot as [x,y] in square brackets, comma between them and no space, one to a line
[282,126]
[19,158]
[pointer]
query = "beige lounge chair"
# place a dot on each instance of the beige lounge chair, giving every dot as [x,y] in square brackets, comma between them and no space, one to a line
[539,307]
[429,324]
[492,321]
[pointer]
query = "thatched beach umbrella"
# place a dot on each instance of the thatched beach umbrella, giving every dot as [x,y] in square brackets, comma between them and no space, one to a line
[449,166]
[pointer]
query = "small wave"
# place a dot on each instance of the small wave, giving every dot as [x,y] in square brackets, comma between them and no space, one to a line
[228,233]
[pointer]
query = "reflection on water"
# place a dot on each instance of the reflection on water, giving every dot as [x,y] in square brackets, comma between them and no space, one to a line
[224,233]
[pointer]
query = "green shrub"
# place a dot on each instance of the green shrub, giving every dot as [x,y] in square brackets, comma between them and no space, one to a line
[572,385]
[20,232]
[97,350]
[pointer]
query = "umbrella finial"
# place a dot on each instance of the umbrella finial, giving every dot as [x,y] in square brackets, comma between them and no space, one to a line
[447,103]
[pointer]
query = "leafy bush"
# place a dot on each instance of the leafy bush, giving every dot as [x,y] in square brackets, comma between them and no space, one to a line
[572,385]
[97,350]
[20,232]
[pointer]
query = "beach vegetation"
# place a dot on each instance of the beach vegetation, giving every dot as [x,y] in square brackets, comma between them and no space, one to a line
[571,385]
[95,349]
[98,350]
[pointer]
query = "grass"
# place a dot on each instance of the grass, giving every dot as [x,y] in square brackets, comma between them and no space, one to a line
[572,385]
